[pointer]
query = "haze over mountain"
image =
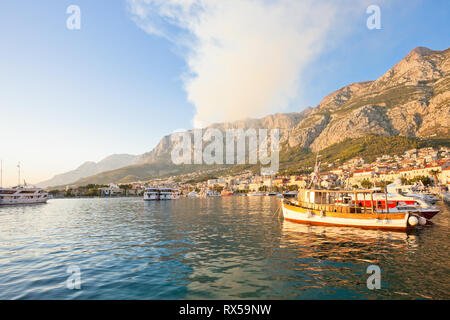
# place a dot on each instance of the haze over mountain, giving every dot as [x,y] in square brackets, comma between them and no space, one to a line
[90,168]
[411,99]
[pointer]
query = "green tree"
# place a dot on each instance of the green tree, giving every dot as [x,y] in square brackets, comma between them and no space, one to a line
[382,184]
[366,183]
[92,192]
[424,179]
[434,174]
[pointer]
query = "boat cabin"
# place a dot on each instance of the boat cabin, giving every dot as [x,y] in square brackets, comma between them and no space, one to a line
[341,201]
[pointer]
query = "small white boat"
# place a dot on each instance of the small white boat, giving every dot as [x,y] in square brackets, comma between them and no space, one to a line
[151,194]
[211,193]
[290,194]
[415,191]
[255,194]
[192,194]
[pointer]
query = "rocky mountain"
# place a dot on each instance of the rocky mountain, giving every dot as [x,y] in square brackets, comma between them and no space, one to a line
[412,99]
[283,121]
[90,168]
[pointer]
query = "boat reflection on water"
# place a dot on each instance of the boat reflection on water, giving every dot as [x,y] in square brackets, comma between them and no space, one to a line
[349,233]
[344,242]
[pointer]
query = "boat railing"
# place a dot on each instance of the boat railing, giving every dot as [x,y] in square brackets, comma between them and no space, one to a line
[338,208]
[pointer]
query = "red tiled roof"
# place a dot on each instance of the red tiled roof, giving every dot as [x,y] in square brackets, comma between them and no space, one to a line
[363,170]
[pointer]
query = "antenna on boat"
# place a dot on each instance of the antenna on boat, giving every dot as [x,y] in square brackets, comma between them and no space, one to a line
[18,166]
[316,171]
[1,173]
[386,200]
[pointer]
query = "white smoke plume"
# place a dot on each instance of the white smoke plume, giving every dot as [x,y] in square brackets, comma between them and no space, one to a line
[245,57]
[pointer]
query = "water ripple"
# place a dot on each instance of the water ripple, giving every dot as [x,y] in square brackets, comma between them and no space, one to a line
[218,248]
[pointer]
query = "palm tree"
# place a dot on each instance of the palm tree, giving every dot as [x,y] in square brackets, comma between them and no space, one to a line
[435,173]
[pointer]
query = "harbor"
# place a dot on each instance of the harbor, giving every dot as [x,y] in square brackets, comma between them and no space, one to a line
[222,151]
[209,248]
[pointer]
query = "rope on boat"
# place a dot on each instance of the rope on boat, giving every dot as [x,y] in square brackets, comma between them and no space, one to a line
[276,211]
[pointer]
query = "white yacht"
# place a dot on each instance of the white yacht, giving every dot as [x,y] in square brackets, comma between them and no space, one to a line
[168,194]
[151,194]
[161,194]
[22,195]
[415,191]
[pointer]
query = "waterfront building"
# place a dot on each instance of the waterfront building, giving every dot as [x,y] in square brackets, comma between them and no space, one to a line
[111,190]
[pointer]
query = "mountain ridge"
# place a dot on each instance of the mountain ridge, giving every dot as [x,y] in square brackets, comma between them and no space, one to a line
[411,99]
[89,168]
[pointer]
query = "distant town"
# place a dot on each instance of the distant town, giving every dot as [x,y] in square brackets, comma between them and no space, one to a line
[428,166]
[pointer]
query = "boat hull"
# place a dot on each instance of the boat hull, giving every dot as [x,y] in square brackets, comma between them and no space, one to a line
[21,201]
[429,214]
[397,221]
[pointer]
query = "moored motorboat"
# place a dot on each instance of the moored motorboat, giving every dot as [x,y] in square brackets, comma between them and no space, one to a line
[426,196]
[417,191]
[153,193]
[22,195]
[168,194]
[396,202]
[255,194]
[290,194]
[192,194]
[211,193]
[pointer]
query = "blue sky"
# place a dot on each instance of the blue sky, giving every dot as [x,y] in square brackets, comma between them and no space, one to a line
[69,96]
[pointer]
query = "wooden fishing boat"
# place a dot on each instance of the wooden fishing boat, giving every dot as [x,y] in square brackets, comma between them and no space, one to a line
[334,207]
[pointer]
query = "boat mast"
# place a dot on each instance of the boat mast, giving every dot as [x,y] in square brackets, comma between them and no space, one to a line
[316,172]
[1,173]
[18,166]
[386,199]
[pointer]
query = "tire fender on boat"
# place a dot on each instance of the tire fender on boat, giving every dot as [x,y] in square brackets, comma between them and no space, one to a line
[422,221]
[413,221]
